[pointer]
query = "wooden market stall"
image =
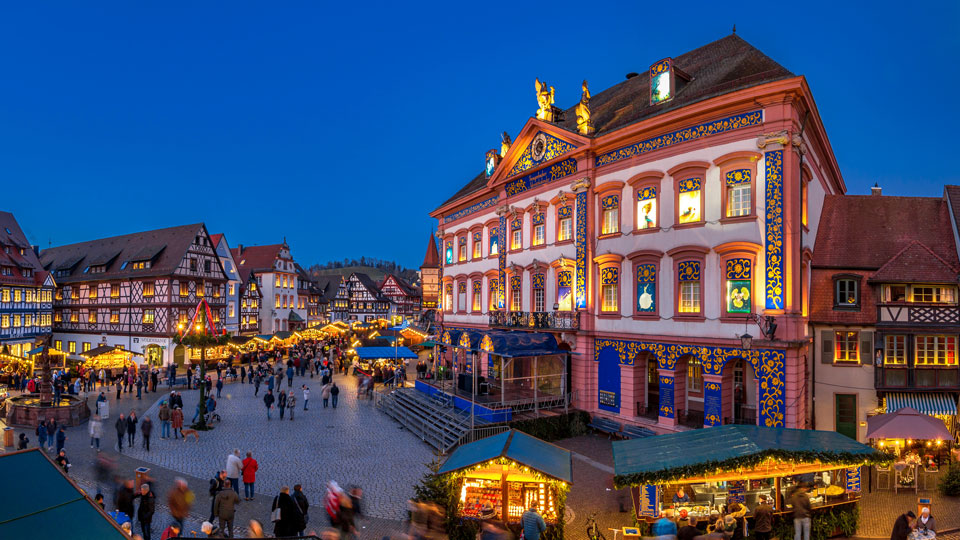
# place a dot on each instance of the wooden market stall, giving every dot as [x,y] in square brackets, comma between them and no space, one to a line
[109,357]
[505,473]
[740,463]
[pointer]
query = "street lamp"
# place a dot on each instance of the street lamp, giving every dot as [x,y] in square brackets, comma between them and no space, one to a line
[746,341]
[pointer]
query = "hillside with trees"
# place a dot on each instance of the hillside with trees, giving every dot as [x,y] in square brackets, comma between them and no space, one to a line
[373,267]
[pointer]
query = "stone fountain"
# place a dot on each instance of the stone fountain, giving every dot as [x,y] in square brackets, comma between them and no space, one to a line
[28,409]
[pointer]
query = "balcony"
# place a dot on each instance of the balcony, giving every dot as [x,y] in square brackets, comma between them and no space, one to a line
[539,320]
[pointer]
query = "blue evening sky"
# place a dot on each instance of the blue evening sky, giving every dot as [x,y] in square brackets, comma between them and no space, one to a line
[341,126]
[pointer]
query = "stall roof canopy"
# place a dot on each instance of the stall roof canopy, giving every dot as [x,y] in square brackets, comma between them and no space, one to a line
[39,495]
[389,353]
[928,403]
[283,334]
[106,349]
[697,452]
[516,445]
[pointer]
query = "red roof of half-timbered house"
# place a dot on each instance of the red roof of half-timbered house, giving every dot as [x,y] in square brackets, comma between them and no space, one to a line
[12,237]
[255,259]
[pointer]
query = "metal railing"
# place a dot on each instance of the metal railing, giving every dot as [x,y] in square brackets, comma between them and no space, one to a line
[535,320]
[482,433]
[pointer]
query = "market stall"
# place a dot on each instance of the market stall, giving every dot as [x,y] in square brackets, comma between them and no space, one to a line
[504,474]
[109,357]
[703,470]
[10,364]
[920,442]
[370,357]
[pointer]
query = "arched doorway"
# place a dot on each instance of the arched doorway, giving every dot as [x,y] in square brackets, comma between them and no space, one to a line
[651,372]
[739,393]
[153,355]
[179,355]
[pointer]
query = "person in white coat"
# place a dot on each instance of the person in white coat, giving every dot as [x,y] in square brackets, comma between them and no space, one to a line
[96,431]
[233,469]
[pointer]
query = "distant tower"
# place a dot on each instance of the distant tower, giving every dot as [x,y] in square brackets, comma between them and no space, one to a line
[430,275]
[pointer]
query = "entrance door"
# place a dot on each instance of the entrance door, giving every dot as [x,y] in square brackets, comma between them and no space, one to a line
[179,353]
[845,411]
[653,387]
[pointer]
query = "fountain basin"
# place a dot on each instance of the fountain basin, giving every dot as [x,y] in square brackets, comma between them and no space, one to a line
[26,411]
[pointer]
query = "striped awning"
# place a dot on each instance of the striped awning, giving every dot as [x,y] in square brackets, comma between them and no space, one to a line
[934,403]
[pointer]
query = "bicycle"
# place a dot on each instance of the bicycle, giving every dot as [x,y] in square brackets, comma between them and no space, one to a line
[593,530]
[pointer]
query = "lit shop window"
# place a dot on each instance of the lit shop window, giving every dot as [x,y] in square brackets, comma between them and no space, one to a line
[647,208]
[688,200]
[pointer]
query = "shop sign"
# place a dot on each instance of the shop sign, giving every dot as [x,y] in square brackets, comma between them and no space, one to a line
[646,500]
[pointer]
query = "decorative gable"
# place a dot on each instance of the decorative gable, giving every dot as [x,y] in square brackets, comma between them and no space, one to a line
[541,149]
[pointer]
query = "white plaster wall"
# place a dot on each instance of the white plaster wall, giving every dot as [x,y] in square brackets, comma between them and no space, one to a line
[833,379]
[123,340]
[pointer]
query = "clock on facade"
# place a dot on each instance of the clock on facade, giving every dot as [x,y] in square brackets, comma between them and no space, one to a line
[539,147]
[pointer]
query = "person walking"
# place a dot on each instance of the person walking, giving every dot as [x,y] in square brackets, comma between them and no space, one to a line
[176,421]
[225,507]
[41,432]
[268,401]
[96,431]
[801,513]
[291,519]
[233,468]
[124,499]
[146,429]
[532,523]
[61,439]
[334,394]
[256,385]
[281,402]
[148,505]
[303,504]
[249,471]
[306,397]
[763,519]
[121,427]
[291,404]
[325,395]
[219,389]
[131,428]
[139,387]
[290,377]
[179,501]
[164,415]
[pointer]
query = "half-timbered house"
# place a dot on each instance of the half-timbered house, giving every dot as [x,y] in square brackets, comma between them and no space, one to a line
[26,290]
[406,298]
[134,291]
[367,303]
[276,274]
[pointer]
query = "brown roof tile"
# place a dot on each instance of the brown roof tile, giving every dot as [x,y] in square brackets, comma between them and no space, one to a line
[916,263]
[15,240]
[255,259]
[432,258]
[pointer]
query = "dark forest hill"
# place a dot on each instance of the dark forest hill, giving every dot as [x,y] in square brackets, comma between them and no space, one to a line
[373,267]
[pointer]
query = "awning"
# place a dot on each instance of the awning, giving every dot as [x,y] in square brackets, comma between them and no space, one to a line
[294,317]
[387,353]
[700,452]
[539,455]
[44,497]
[933,403]
[519,343]
[907,423]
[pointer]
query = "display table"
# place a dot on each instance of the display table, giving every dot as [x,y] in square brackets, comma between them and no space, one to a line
[921,534]
[905,478]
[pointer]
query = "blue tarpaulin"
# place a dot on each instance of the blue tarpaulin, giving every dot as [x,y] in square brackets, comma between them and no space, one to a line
[539,455]
[388,353]
[508,344]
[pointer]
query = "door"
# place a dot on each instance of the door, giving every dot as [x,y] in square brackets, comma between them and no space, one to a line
[845,411]
[653,387]
[178,355]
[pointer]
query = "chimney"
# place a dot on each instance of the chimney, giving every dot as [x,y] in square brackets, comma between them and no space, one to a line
[240,247]
[876,189]
[36,251]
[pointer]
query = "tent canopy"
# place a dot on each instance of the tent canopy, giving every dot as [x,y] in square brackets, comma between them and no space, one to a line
[106,349]
[388,353]
[39,495]
[539,455]
[933,403]
[907,423]
[690,453]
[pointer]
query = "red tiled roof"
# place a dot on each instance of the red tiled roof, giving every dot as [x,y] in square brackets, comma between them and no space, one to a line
[916,263]
[866,231]
[821,300]
[16,240]
[432,258]
[215,239]
[255,258]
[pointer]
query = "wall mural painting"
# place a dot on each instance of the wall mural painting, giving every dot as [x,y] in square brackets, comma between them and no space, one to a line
[647,208]
[768,364]
[712,404]
[737,276]
[565,289]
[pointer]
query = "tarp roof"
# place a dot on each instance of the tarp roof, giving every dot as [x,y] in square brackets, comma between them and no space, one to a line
[690,453]
[539,455]
[389,353]
[508,344]
[39,495]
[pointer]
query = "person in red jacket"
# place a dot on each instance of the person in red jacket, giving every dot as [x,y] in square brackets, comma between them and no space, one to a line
[249,471]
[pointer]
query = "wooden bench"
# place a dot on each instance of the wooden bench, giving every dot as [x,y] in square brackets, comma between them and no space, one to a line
[636,432]
[604,425]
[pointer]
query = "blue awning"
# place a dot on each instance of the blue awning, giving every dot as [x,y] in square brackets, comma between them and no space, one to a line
[539,455]
[933,403]
[519,343]
[388,353]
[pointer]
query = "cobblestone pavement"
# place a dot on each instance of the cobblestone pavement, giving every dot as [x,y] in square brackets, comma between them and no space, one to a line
[354,445]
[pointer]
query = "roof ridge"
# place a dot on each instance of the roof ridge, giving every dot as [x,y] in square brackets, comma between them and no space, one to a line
[923,246]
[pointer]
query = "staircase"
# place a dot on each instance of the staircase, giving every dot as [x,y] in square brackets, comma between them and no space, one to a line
[438,424]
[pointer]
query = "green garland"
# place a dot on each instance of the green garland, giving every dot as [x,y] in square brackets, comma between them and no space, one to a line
[666,476]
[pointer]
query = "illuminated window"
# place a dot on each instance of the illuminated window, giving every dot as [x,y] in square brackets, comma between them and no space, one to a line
[94,292]
[148,287]
[694,374]
[646,288]
[114,316]
[689,280]
[58,345]
[92,317]
[516,229]
[276,300]
[5,295]
[74,316]
[17,295]
[494,241]
[688,200]
[895,350]
[28,296]
[933,295]
[448,251]
[58,316]
[86,346]
[476,291]
[516,298]
[936,351]
[462,248]
[477,245]
[28,320]
[737,274]
[59,295]
[4,321]
[738,192]
[661,81]
[565,223]
[462,296]
[492,290]
[847,346]
[846,292]
[182,317]
[448,297]
[148,316]
[564,290]
[894,293]
[609,289]
[114,290]
[610,206]
[803,201]
[647,208]
[538,282]
[72,347]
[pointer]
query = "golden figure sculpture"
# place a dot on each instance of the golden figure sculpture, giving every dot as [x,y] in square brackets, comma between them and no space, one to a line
[504,143]
[584,124]
[545,101]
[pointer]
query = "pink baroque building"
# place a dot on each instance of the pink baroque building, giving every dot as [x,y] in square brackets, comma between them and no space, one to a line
[652,230]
